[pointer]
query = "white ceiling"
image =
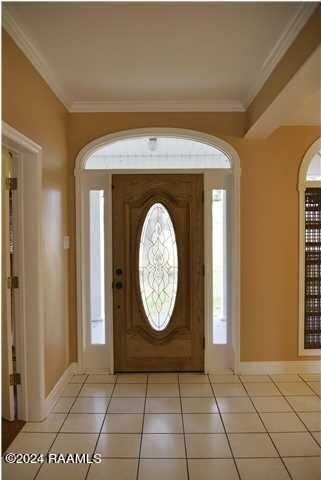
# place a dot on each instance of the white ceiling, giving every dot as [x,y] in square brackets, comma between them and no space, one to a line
[207,54]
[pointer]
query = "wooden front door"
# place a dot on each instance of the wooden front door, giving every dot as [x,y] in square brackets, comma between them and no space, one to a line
[158,272]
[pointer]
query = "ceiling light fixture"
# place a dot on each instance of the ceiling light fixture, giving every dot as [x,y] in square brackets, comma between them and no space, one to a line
[152,144]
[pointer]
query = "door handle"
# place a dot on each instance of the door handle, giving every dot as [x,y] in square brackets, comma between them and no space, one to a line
[118,285]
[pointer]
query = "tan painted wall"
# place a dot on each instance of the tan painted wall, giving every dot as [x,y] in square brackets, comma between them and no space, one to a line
[270,243]
[269,250]
[31,107]
[269,217]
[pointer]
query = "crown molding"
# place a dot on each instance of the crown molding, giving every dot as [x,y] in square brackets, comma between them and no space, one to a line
[33,55]
[288,36]
[291,31]
[159,106]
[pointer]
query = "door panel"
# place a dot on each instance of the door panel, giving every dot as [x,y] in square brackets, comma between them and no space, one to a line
[137,345]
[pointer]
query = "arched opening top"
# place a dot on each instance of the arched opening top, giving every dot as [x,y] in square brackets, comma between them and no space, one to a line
[220,153]
[314,169]
[310,169]
[156,151]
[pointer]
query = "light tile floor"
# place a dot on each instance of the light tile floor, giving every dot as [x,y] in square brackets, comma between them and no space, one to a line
[180,427]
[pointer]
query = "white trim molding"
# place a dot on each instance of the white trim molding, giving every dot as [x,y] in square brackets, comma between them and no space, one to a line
[30,329]
[12,134]
[159,106]
[268,368]
[291,31]
[34,56]
[302,185]
[53,396]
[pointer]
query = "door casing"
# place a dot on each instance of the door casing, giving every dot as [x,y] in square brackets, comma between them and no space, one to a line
[30,331]
[216,356]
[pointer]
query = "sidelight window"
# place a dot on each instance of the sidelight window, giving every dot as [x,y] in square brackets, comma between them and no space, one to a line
[310,253]
[97,270]
[219,266]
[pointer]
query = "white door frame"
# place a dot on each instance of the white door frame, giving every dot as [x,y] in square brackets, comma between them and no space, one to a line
[30,324]
[97,178]
[303,183]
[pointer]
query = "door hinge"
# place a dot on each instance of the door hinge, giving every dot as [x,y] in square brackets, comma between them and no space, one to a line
[15,379]
[11,183]
[203,196]
[203,343]
[203,270]
[12,282]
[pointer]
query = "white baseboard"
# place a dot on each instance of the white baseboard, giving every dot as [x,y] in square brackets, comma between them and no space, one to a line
[88,371]
[52,398]
[304,366]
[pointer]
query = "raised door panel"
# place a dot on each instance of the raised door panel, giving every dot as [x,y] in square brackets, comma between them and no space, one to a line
[138,345]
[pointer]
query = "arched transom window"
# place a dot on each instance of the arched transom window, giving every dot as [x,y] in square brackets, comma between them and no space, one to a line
[157,152]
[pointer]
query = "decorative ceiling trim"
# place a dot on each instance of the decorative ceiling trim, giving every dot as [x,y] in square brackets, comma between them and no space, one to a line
[159,106]
[33,55]
[288,36]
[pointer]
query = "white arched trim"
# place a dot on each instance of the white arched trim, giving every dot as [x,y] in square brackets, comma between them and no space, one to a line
[303,183]
[103,180]
[310,153]
[216,142]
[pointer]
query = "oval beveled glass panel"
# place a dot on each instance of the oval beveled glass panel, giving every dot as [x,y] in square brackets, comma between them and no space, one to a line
[158,266]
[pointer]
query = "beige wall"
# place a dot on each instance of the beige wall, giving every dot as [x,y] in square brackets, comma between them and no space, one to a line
[269,217]
[270,243]
[269,209]
[31,107]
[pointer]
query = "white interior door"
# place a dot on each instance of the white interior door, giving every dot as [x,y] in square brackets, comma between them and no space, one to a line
[8,408]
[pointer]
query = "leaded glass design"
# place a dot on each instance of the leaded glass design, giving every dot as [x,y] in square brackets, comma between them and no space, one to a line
[312,319]
[158,266]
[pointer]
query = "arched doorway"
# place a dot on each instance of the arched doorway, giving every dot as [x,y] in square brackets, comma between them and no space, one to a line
[157,152]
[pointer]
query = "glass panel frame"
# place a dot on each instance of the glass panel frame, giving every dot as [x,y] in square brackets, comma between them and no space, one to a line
[158,266]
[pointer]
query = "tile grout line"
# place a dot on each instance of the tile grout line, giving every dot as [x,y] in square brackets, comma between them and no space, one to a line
[142,432]
[102,425]
[307,384]
[271,439]
[59,431]
[223,424]
[184,437]
[241,382]
[294,411]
